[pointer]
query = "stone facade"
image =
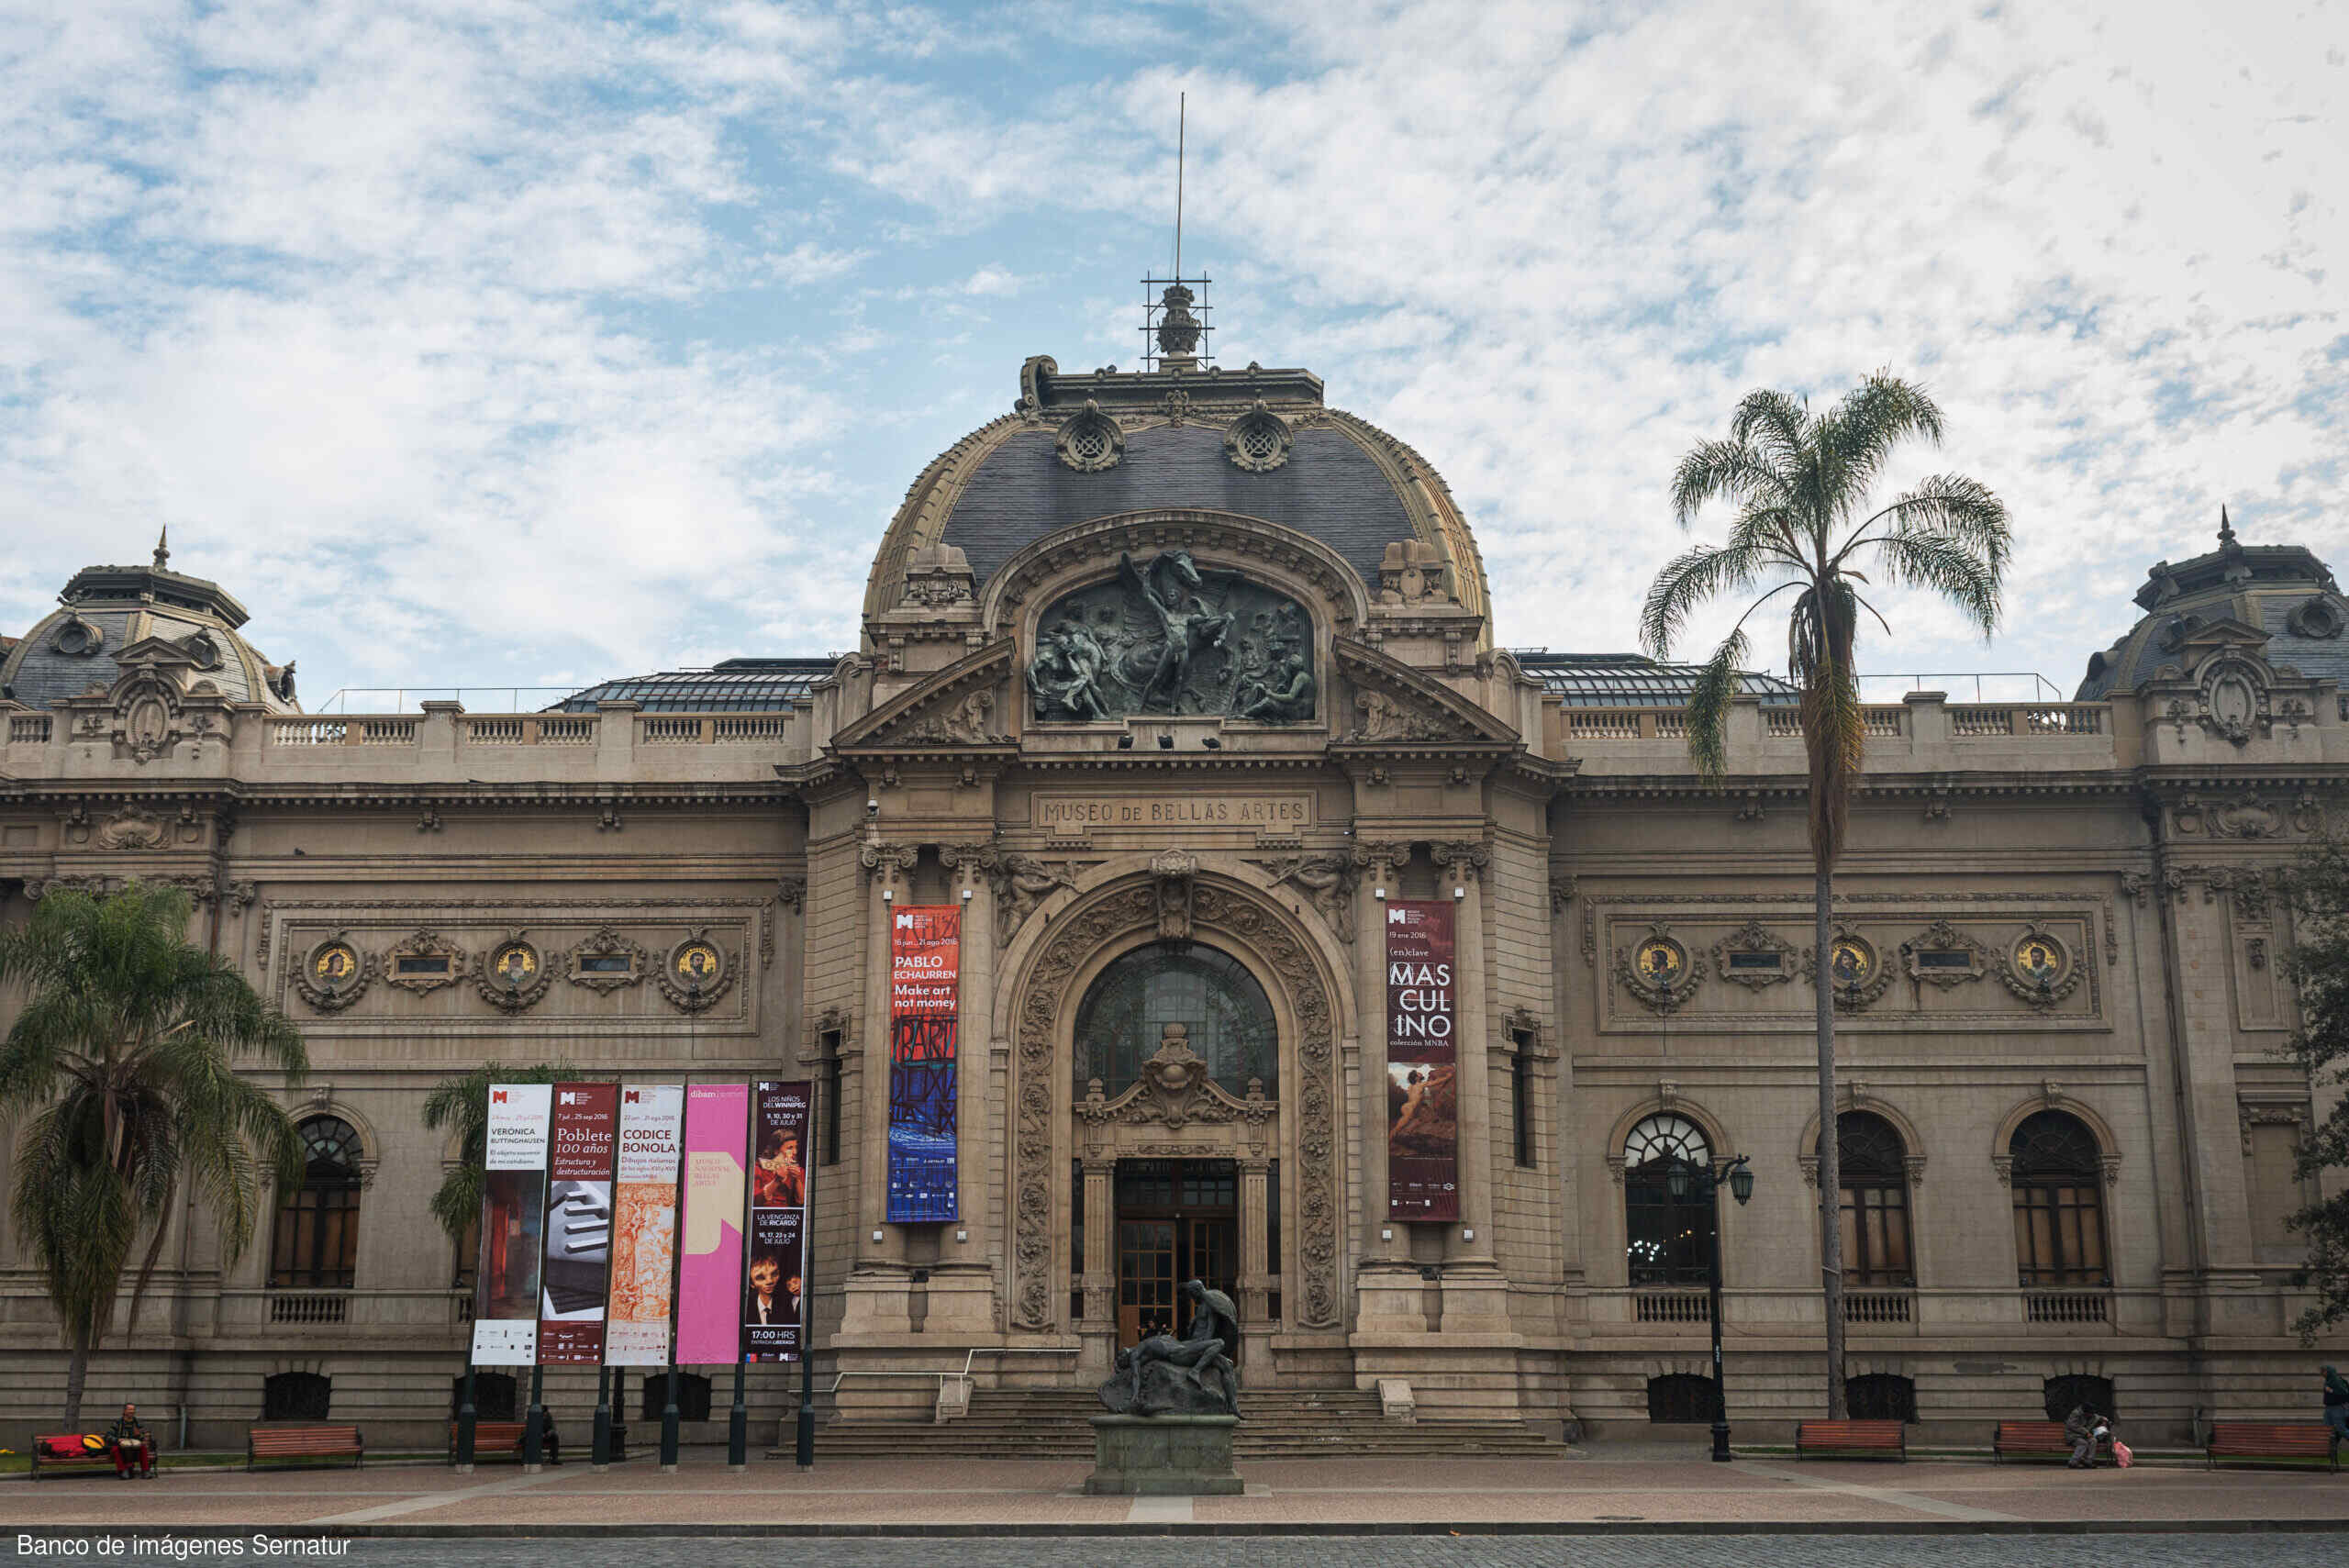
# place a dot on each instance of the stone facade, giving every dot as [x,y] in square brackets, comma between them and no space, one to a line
[1080,709]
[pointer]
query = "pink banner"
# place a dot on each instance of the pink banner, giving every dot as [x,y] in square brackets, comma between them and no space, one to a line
[709,1261]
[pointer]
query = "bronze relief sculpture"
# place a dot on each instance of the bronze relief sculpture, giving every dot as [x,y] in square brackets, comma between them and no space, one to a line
[1168,638]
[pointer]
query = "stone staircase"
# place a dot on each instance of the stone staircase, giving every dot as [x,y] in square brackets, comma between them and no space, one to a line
[1051,1423]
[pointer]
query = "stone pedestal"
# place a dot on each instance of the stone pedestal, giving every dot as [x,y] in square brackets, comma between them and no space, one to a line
[1162,1456]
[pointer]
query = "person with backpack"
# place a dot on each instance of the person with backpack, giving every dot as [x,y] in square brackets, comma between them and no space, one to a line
[2336,1403]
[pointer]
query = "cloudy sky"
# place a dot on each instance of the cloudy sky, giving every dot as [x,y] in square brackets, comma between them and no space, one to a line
[530,341]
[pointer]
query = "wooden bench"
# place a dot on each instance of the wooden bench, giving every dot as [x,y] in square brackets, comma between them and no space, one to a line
[491,1440]
[303,1443]
[1868,1439]
[61,1454]
[2034,1440]
[2271,1439]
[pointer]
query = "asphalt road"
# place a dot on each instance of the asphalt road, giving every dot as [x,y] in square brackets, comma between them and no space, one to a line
[2183,1551]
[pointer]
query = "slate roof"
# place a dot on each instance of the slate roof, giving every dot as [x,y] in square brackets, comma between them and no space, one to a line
[2260,585]
[1329,488]
[1632,680]
[737,685]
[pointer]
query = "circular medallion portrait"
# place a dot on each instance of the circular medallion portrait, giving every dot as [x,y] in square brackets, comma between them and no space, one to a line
[698,964]
[1850,963]
[1661,962]
[516,963]
[2041,960]
[334,965]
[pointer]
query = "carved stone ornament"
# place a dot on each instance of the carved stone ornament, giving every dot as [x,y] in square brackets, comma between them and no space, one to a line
[1089,440]
[606,961]
[2320,619]
[936,576]
[132,828]
[1754,957]
[513,974]
[1411,572]
[1944,956]
[1328,884]
[698,971]
[2238,816]
[1021,882]
[1857,973]
[422,963]
[1659,971]
[1167,637]
[963,724]
[2040,967]
[1037,1298]
[1173,873]
[2233,701]
[1259,441]
[1174,1091]
[1386,718]
[333,973]
[2297,1115]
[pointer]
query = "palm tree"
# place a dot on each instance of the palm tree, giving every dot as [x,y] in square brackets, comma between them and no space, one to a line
[1800,483]
[463,1102]
[122,1067]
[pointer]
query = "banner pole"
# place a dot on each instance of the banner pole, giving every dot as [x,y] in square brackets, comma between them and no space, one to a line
[804,1434]
[737,1426]
[600,1456]
[534,1424]
[669,1417]
[465,1419]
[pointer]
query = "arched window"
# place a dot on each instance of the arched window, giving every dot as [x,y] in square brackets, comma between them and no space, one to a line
[693,1396]
[295,1397]
[316,1245]
[1873,1167]
[1667,1240]
[2063,1394]
[1225,1015]
[1880,1396]
[1680,1396]
[493,1396]
[2058,1182]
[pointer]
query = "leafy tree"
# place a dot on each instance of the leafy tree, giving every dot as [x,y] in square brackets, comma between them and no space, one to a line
[463,1102]
[120,1074]
[2318,961]
[1800,485]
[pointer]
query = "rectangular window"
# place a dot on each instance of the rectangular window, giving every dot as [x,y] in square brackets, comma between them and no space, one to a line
[831,1139]
[1944,958]
[1520,1083]
[421,965]
[1757,962]
[605,963]
[2059,1235]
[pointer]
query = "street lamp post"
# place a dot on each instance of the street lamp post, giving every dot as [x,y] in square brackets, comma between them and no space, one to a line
[1688,1179]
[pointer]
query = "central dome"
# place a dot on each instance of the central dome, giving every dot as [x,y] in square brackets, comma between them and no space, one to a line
[1256,442]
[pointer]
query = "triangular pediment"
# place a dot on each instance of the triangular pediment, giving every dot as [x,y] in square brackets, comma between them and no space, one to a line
[1395,704]
[961,705]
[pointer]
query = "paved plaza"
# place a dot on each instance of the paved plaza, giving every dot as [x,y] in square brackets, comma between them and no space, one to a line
[1038,1504]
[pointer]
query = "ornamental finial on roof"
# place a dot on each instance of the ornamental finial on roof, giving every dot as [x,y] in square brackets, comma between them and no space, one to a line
[162,546]
[2226,530]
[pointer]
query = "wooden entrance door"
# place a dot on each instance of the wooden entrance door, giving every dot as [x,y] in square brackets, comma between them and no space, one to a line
[1177,1219]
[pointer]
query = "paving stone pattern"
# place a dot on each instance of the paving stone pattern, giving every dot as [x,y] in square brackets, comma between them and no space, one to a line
[2228,1551]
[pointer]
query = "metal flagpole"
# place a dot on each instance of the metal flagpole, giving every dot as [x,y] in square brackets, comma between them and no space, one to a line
[1182,119]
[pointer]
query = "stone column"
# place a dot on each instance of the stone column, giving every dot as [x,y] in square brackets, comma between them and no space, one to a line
[1476,1295]
[1256,1269]
[877,1293]
[1099,1280]
[1387,1285]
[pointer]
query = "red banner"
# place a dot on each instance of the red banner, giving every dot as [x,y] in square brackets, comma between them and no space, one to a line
[925,975]
[1423,1098]
[576,1278]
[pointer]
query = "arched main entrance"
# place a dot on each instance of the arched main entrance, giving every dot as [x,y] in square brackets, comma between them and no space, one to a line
[1175,1102]
[1174,1035]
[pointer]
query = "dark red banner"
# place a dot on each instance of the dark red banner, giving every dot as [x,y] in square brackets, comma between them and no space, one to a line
[575,1282]
[1423,1057]
[775,1293]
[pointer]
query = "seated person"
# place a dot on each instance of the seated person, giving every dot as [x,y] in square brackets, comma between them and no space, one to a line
[132,1445]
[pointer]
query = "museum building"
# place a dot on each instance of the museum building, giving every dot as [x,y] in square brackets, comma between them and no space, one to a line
[1173,682]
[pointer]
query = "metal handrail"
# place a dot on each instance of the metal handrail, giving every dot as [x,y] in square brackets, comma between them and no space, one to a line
[963,1375]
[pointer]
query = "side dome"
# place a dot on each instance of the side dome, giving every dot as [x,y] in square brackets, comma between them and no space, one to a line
[2283,590]
[106,609]
[1258,443]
